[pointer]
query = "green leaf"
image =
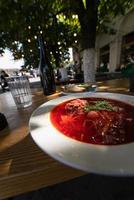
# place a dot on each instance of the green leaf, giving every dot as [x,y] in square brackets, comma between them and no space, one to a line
[99,105]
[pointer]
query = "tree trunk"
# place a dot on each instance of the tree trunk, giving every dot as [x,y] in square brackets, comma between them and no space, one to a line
[89,65]
[88,20]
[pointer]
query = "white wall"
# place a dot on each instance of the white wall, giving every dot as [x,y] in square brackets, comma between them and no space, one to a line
[127,24]
[123,25]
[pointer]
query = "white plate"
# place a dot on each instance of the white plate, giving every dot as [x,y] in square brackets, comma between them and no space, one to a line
[77,88]
[102,159]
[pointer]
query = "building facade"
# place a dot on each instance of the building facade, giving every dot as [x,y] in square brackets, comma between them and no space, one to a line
[114,50]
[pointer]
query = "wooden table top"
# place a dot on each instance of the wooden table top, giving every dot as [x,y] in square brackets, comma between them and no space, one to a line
[23,166]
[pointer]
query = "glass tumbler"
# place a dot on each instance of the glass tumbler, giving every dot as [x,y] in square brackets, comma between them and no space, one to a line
[20,90]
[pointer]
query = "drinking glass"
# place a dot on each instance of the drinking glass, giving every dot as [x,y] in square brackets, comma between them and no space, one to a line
[20,90]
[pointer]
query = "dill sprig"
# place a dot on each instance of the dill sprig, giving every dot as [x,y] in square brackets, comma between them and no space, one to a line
[99,105]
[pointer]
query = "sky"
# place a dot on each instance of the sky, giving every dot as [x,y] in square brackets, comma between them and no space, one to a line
[7,61]
[71,54]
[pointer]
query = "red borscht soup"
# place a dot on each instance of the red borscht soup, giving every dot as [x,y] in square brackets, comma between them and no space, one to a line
[95,120]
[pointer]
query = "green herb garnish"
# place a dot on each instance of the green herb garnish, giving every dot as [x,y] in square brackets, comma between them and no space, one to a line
[99,105]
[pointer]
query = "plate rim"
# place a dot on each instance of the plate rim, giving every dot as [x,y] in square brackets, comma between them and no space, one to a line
[83,146]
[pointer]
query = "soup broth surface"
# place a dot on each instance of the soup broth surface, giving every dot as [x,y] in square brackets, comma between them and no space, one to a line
[95,120]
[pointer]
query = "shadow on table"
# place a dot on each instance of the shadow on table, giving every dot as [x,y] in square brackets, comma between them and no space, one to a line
[90,186]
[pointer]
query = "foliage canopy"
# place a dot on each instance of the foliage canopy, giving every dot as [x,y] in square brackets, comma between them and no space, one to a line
[63,24]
